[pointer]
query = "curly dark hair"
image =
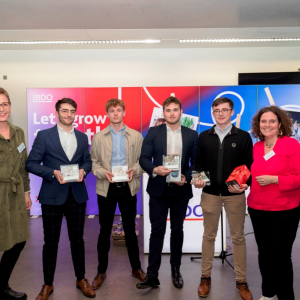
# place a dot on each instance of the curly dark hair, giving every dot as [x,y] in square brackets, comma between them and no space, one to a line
[283,119]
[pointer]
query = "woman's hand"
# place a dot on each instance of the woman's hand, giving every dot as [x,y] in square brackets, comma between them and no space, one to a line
[28,201]
[266,179]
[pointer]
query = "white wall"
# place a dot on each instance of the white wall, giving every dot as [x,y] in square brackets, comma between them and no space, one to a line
[139,67]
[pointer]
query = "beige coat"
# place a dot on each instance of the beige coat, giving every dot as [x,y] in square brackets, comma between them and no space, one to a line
[14,181]
[101,154]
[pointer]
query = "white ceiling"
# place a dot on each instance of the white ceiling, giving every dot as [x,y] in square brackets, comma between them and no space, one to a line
[168,20]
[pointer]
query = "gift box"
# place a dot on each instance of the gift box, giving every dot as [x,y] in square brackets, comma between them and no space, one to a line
[239,176]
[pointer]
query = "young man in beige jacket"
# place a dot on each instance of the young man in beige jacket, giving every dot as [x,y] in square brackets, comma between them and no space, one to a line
[117,145]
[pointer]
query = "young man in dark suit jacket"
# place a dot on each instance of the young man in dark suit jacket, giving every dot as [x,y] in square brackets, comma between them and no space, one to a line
[62,145]
[168,138]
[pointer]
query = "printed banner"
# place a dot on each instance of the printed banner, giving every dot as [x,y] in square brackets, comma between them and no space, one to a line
[285,96]
[153,98]
[90,118]
[243,97]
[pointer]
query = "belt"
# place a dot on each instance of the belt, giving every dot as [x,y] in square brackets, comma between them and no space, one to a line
[120,184]
[14,182]
[170,184]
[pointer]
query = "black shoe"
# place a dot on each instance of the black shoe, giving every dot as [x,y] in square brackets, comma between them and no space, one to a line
[149,282]
[177,278]
[10,294]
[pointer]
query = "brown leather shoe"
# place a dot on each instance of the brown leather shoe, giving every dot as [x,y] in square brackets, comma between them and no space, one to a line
[204,286]
[98,280]
[86,288]
[139,274]
[243,288]
[45,292]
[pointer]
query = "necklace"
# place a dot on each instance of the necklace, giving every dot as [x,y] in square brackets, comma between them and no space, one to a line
[270,145]
[3,131]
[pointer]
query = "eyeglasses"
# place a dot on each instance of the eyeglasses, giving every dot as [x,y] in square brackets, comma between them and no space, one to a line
[5,105]
[223,110]
[66,111]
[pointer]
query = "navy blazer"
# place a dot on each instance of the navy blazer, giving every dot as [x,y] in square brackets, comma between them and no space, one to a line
[155,146]
[48,150]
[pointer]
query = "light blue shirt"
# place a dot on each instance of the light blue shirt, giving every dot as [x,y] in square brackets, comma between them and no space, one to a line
[118,157]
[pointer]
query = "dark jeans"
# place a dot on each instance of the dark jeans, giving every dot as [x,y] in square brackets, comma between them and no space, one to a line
[275,232]
[7,264]
[159,207]
[107,207]
[52,219]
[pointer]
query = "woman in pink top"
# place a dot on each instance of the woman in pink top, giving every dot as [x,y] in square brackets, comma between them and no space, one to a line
[274,200]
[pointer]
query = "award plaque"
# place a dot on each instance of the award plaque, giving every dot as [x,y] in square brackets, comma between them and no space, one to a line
[70,173]
[120,174]
[175,176]
[172,161]
[204,176]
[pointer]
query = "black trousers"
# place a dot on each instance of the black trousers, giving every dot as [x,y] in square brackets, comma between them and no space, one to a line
[52,219]
[275,232]
[107,207]
[7,264]
[159,207]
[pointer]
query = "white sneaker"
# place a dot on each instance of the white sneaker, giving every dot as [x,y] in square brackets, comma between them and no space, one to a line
[267,298]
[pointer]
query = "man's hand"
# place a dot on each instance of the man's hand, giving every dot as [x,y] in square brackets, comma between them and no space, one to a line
[266,179]
[162,171]
[28,201]
[59,177]
[130,174]
[234,190]
[199,184]
[109,176]
[182,182]
[81,174]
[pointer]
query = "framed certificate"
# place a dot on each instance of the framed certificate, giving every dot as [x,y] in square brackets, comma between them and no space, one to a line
[70,173]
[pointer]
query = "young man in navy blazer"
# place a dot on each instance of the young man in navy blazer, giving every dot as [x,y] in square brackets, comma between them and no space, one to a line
[62,145]
[168,138]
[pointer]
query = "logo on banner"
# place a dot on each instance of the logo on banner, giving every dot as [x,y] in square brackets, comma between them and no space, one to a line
[194,213]
[42,98]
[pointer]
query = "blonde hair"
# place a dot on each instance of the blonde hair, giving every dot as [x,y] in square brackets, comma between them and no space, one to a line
[113,103]
[5,93]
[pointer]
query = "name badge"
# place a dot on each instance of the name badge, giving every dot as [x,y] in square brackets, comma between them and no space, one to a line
[269,155]
[21,147]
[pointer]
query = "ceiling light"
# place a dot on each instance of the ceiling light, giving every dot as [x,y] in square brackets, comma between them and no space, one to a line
[79,42]
[240,40]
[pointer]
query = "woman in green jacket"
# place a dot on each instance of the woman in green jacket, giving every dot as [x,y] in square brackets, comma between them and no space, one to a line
[14,197]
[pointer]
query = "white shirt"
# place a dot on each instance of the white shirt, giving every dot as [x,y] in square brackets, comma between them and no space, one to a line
[174,144]
[68,141]
[221,134]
